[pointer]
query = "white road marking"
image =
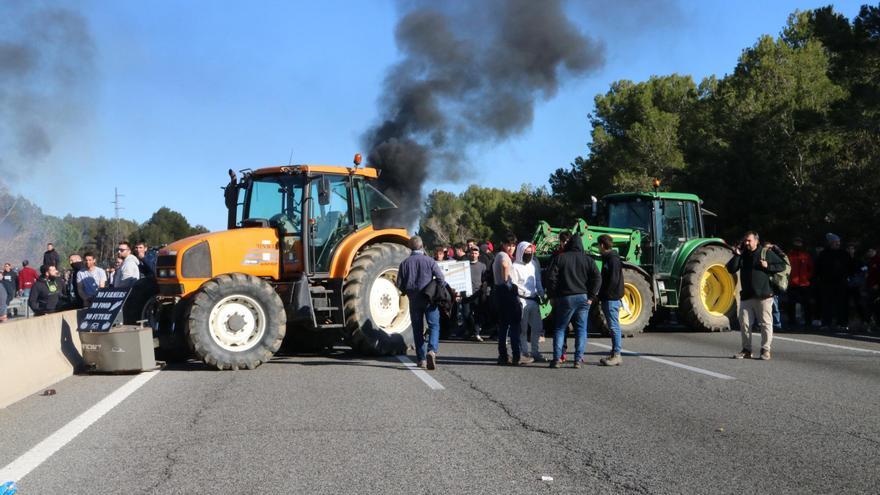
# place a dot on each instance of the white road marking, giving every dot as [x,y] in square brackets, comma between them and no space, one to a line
[30,460]
[422,374]
[826,345]
[670,363]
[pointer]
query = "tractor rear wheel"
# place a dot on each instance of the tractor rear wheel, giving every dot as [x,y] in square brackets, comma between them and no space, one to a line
[708,292]
[236,321]
[636,308]
[376,313]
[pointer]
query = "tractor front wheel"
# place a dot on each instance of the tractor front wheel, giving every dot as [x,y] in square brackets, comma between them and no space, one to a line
[236,321]
[637,306]
[708,292]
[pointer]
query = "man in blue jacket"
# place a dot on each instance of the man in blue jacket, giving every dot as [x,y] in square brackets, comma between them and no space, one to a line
[413,275]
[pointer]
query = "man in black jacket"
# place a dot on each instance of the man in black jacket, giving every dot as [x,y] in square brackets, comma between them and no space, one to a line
[51,257]
[46,291]
[756,296]
[574,283]
[610,296]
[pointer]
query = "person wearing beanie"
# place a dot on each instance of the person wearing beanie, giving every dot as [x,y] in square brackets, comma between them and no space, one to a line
[46,291]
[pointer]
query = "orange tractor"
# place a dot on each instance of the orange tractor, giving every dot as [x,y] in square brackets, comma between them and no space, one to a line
[301,258]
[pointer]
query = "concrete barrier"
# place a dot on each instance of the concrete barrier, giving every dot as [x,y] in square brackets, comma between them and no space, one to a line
[36,353]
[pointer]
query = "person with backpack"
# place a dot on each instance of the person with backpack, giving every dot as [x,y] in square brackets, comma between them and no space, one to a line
[778,282]
[756,268]
[414,275]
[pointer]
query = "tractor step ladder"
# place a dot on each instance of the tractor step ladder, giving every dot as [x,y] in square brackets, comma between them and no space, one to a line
[327,307]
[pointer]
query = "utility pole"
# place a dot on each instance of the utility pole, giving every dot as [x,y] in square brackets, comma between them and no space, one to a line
[116,209]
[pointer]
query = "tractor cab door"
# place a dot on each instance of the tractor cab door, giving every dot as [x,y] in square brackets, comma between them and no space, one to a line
[277,201]
[330,218]
[675,223]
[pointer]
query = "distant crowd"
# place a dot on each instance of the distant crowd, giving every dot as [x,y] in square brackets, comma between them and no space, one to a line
[56,287]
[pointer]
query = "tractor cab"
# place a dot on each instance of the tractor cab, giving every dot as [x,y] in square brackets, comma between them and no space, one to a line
[667,221]
[313,208]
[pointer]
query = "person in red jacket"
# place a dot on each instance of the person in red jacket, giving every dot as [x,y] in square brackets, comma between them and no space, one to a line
[799,282]
[26,278]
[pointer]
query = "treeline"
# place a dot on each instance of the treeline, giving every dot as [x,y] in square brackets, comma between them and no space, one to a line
[788,143]
[25,230]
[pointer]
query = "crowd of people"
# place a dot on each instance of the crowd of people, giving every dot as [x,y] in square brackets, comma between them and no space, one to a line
[508,289]
[55,287]
[822,289]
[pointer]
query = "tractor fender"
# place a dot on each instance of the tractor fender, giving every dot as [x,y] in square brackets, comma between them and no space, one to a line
[688,248]
[345,252]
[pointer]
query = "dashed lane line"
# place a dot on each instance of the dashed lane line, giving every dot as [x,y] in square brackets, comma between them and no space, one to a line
[835,346]
[30,460]
[670,363]
[422,374]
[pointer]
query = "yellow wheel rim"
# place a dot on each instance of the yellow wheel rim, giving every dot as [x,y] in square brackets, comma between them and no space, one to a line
[632,304]
[717,290]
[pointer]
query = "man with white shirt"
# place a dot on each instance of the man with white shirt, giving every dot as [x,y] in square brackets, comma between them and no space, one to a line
[129,272]
[525,274]
[90,279]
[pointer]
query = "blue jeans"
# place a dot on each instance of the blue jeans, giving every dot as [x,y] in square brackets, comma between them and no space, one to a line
[777,316]
[573,309]
[508,320]
[419,312]
[612,317]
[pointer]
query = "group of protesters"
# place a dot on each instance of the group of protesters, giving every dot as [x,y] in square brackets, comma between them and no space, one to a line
[55,288]
[509,287]
[508,290]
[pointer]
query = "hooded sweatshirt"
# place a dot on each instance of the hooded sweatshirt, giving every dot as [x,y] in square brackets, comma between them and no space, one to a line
[526,276]
[574,272]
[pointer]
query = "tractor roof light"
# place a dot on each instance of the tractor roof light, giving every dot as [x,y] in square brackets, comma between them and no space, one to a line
[357,160]
[656,183]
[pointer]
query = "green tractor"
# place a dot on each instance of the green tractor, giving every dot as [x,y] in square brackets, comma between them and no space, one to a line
[669,263]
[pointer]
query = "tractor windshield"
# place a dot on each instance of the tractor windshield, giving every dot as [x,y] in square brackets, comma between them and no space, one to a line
[631,214]
[277,199]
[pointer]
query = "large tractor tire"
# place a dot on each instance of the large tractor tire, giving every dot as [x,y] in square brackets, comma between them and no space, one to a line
[236,321]
[636,310]
[708,298]
[376,313]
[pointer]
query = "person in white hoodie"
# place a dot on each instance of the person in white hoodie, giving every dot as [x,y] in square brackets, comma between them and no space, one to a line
[525,274]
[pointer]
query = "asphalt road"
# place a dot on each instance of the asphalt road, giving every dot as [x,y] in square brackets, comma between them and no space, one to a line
[681,418]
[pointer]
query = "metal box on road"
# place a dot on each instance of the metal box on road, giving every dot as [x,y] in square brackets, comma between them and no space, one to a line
[124,348]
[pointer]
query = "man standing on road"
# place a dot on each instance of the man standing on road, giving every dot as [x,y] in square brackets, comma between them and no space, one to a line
[574,281]
[413,276]
[74,301]
[10,282]
[610,296]
[507,304]
[470,306]
[50,257]
[46,291]
[26,278]
[756,296]
[799,283]
[526,278]
[144,263]
[89,280]
[129,272]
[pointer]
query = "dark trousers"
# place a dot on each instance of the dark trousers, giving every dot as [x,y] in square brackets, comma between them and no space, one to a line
[834,305]
[802,296]
[507,303]
[470,315]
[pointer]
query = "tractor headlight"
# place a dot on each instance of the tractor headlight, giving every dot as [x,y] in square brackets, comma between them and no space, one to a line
[167,273]
[196,261]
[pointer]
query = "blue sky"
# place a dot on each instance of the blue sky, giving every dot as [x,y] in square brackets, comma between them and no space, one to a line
[186,90]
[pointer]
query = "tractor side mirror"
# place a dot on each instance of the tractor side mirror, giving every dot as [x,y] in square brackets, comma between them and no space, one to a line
[323,191]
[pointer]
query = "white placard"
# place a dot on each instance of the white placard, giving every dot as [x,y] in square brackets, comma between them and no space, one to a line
[458,275]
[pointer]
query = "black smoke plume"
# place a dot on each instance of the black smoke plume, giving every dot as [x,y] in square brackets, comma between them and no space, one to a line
[47,66]
[471,72]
